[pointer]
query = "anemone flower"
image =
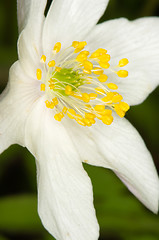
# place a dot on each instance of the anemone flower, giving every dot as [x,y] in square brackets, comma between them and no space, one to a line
[66,99]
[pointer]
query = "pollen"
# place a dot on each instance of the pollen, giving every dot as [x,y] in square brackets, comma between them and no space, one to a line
[103,78]
[57,47]
[81,85]
[112,86]
[122,73]
[39,74]
[123,62]
[51,63]
[43,58]
[42,87]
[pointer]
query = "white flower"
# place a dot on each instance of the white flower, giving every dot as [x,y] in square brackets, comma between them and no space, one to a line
[28,114]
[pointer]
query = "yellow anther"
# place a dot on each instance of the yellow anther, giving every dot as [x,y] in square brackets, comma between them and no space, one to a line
[43,59]
[104,58]
[85,97]
[51,63]
[106,112]
[87,122]
[81,57]
[39,74]
[47,103]
[119,111]
[82,44]
[104,65]
[103,78]
[88,65]
[112,86]
[99,90]
[98,71]
[89,115]
[85,52]
[57,47]
[55,101]
[42,87]
[101,51]
[71,113]
[107,120]
[68,89]
[99,108]
[79,46]
[117,98]
[75,44]
[64,110]
[124,106]
[77,50]
[122,73]
[58,116]
[52,105]
[123,62]
[109,97]
[95,55]
[98,52]
[92,120]
[92,96]
[58,69]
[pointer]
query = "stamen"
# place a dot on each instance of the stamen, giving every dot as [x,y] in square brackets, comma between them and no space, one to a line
[57,47]
[43,59]
[39,74]
[74,84]
[112,86]
[122,73]
[42,87]
[51,63]
[103,78]
[123,62]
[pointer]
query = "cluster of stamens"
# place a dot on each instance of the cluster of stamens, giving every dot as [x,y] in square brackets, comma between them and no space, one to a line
[75,84]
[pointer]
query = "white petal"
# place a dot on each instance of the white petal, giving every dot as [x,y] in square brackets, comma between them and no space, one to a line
[23,8]
[139,42]
[122,150]
[29,43]
[15,104]
[84,141]
[65,201]
[70,20]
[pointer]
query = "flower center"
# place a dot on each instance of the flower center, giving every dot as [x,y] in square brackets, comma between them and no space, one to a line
[75,84]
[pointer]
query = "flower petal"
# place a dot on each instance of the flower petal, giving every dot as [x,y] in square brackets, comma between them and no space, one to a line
[70,20]
[122,150]
[139,42]
[15,104]
[29,42]
[64,189]
[23,8]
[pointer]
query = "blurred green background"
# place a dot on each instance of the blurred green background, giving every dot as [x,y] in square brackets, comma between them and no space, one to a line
[120,215]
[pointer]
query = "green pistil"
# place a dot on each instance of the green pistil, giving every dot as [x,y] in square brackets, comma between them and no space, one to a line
[65,77]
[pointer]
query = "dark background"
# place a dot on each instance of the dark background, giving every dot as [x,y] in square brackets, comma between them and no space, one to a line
[120,215]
